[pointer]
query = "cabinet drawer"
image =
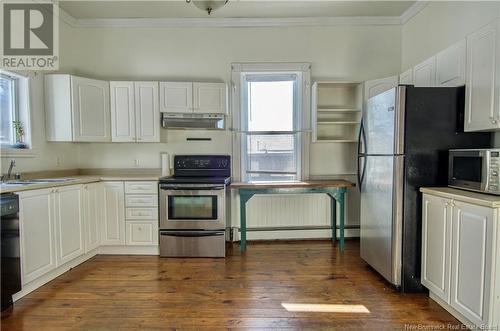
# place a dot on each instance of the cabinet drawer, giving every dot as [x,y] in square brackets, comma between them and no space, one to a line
[142,213]
[142,233]
[144,200]
[141,187]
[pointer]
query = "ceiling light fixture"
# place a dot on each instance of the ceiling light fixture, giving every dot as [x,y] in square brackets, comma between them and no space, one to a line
[208,5]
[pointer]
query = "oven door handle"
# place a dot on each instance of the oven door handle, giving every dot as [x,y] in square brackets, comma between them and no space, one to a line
[192,233]
[191,188]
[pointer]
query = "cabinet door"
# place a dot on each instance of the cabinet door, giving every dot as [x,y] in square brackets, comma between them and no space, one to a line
[406,78]
[209,98]
[147,113]
[176,97]
[472,229]
[69,223]
[436,234]
[424,74]
[450,65]
[36,215]
[90,103]
[142,233]
[122,111]
[113,226]
[377,86]
[93,206]
[482,110]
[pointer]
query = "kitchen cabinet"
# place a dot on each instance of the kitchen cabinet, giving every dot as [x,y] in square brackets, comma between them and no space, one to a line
[424,74]
[377,86]
[141,213]
[189,97]
[113,225]
[482,96]
[37,227]
[471,259]
[460,260]
[450,66]
[142,233]
[135,115]
[76,109]
[93,197]
[406,78]
[436,240]
[68,205]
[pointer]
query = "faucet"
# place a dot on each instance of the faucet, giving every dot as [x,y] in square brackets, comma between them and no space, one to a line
[9,172]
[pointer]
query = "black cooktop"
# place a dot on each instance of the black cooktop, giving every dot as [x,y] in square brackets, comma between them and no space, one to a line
[195,180]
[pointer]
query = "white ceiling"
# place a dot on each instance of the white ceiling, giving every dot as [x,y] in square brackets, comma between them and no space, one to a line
[234,9]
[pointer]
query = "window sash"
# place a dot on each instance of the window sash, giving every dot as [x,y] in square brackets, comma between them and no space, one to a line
[246,157]
[13,106]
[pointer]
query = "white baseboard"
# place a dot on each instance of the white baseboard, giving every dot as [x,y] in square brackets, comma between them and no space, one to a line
[42,280]
[298,234]
[130,250]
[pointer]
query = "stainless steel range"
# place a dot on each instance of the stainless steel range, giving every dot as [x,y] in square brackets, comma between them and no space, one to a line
[194,206]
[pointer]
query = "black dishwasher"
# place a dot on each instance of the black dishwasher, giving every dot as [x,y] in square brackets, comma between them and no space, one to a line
[11,258]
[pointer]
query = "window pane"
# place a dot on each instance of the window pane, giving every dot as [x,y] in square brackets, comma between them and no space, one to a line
[270,105]
[272,156]
[6,111]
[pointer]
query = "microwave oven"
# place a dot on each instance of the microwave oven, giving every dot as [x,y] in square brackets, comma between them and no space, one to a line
[474,170]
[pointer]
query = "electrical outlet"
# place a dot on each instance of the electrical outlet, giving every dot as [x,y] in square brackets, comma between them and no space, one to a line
[136,162]
[58,161]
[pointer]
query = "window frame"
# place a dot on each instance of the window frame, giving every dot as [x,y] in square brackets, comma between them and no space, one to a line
[14,79]
[302,121]
[248,77]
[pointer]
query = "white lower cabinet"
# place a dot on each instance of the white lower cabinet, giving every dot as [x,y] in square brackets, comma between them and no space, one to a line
[142,232]
[36,215]
[68,202]
[93,197]
[460,249]
[113,225]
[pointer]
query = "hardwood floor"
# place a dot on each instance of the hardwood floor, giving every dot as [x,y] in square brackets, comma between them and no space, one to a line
[241,291]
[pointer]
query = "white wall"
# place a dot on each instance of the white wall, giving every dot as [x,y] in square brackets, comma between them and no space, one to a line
[343,52]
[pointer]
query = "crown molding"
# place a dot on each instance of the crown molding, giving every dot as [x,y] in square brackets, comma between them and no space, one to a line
[411,12]
[210,22]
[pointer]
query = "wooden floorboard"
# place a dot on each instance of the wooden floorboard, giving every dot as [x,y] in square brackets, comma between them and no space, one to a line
[111,292]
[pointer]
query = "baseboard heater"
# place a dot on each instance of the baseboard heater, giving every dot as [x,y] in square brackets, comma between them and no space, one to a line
[278,228]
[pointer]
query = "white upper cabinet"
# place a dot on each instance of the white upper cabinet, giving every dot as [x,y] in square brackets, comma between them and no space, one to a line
[471,260]
[482,108]
[147,112]
[406,78]
[450,65]
[183,97]
[377,86]
[70,230]
[36,217]
[122,111]
[424,74]
[176,97]
[209,98]
[77,109]
[135,114]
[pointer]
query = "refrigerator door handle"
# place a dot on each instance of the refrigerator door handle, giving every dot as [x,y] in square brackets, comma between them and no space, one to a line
[361,138]
[361,173]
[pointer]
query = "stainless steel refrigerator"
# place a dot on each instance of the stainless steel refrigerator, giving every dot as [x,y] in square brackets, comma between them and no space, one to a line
[404,138]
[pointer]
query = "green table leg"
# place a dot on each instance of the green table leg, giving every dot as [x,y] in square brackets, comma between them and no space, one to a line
[244,197]
[341,217]
[333,216]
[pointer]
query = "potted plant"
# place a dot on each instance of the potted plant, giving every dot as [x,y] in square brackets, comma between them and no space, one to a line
[19,131]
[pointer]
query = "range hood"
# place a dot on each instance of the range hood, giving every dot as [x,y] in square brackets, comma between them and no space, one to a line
[192,121]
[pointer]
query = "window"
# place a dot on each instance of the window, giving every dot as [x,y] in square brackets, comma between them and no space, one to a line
[9,109]
[13,110]
[270,125]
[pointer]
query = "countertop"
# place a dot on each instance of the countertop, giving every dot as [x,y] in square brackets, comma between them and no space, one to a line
[303,184]
[482,199]
[78,179]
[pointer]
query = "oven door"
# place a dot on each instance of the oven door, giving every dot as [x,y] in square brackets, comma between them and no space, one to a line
[187,207]
[468,169]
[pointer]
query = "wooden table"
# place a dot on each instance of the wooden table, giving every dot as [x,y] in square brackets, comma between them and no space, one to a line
[335,189]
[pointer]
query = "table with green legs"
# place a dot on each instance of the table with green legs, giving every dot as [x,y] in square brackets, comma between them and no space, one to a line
[335,189]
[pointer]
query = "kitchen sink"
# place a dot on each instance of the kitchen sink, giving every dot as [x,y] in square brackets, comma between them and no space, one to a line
[51,180]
